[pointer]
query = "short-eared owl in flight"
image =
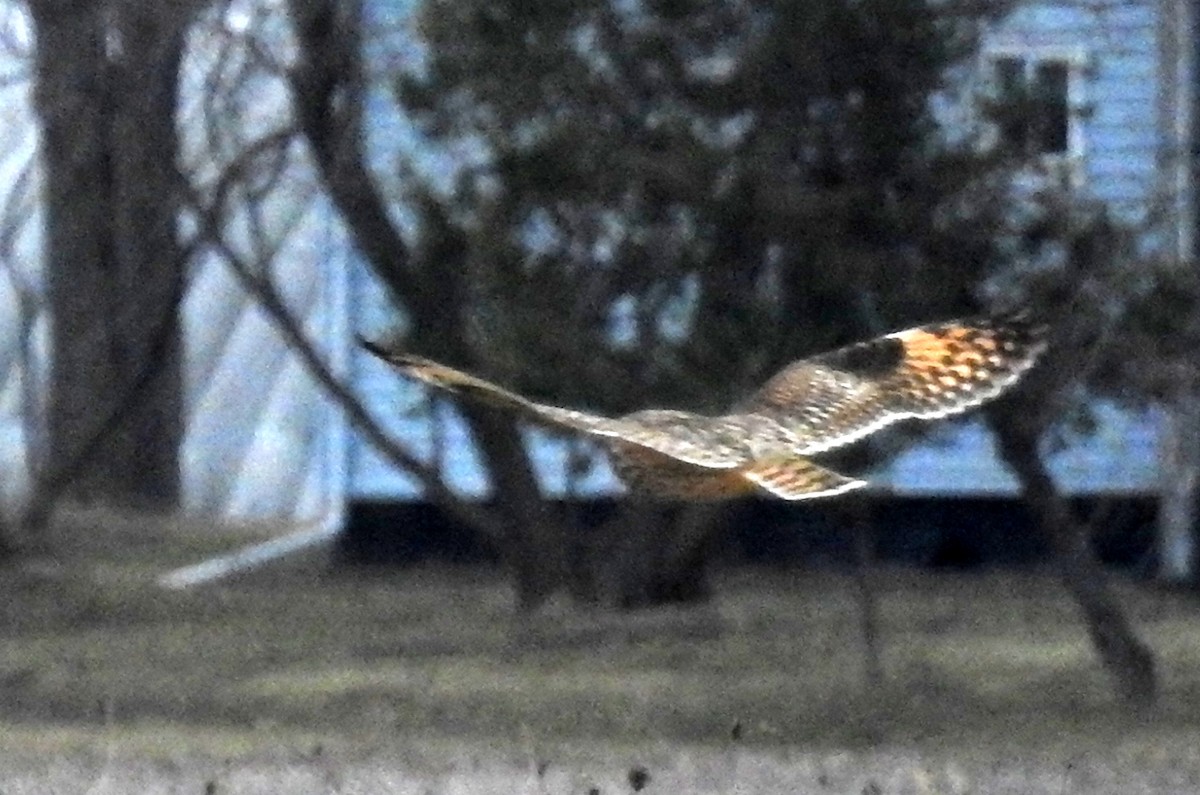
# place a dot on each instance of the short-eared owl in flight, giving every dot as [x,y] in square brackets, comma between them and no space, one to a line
[812,406]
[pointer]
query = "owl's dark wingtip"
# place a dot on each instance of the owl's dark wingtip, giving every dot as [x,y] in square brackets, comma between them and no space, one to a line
[1025,318]
[371,346]
[393,357]
[1035,328]
[1023,326]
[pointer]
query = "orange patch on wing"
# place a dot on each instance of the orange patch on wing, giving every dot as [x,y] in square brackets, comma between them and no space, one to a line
[957,351]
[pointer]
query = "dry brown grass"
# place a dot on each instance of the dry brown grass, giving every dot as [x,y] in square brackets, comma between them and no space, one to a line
[421,681]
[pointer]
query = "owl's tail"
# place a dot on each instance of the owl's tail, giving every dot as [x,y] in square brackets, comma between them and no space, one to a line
[656,475]
[796,478]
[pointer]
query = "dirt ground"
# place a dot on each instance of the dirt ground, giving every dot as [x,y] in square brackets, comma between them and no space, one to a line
[665,769]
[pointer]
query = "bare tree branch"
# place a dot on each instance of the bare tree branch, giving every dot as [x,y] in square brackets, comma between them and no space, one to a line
[327,91]
[258,285]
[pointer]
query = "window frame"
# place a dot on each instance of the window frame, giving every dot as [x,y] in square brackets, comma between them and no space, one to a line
[1068,165]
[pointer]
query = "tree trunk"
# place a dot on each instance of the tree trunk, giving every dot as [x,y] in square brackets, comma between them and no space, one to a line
[106,97]
[649,554]
[686,551]
[858,513]
[535,547]
[1177,512]
[1129,663]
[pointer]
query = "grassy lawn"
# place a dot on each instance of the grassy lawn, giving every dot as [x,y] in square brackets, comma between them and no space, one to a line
[303,680]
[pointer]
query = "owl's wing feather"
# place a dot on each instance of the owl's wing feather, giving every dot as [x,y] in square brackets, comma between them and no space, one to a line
[470,387]
[672,433]
[836,398]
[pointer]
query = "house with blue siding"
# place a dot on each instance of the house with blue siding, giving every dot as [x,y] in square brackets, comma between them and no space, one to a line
[1113,80]
[1115,77]
[1117,85]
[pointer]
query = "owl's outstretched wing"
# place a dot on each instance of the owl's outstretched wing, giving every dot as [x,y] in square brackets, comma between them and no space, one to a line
[836,398]
[679,435]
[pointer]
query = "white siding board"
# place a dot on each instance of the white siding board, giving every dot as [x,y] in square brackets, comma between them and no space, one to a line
[1141,66]
[18,143]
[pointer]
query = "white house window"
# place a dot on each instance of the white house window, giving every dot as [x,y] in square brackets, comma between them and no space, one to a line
[1037,105]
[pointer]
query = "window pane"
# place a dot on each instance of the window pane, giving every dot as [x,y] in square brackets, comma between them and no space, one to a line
[1010,77]
[1012,110]
[1053,115]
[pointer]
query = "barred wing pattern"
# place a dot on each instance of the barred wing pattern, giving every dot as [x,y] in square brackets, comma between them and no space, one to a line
[836,398]
[811,406]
